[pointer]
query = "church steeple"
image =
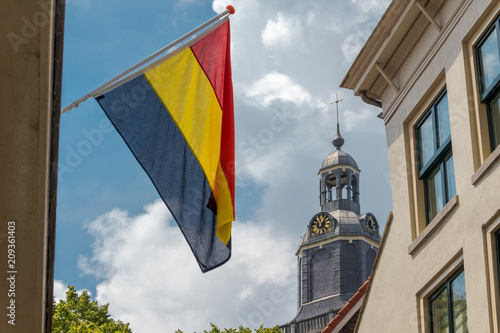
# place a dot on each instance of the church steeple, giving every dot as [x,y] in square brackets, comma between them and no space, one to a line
[339,177]
[337,251]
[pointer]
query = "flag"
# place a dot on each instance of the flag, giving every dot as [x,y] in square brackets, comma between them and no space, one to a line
[177,118]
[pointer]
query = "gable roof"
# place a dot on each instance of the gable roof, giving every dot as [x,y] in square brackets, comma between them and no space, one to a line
[348,311]
[320,307]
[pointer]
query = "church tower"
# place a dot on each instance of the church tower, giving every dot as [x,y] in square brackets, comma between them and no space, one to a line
[337,251]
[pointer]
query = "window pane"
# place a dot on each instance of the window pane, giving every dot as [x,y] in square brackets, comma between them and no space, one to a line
[443,120]
[490,59]
[427,144]
[435,193]
[459,304]
[495,121]
[450,179]
[439,312]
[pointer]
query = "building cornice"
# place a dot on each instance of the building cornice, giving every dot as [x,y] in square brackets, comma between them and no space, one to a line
[322,242]
[426,60]
[378,62]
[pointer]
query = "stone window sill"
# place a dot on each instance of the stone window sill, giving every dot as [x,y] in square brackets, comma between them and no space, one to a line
[494,156]
[435,223]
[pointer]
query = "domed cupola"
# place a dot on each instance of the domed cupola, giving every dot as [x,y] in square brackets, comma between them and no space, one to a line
[339,157]
[339,179]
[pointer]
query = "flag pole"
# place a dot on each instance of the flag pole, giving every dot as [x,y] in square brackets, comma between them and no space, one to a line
[229,10]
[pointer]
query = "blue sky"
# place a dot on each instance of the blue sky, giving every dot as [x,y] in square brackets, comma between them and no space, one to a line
[117,240]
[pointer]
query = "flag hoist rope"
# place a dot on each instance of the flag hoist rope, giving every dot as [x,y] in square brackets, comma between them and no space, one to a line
[229,10]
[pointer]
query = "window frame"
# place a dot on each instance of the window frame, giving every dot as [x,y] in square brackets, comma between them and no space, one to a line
[441,154]
[446,285]
[489,114]
[488,94]
[491,233]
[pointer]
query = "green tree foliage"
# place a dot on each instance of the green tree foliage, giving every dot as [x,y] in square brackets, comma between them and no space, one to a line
[241,329]
[79,314]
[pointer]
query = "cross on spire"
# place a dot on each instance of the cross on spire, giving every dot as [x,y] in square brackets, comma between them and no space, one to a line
[338,140]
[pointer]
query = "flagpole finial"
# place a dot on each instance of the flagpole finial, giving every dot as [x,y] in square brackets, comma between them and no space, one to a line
[231,9]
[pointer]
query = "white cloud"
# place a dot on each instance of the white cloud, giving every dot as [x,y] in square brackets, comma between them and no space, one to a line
[310,17]
[363,119]
[281,32]
[220,5]
[241,7]
[377,7]
[277,86]
[151,279]
[359,26]
[60,289]
[352,44]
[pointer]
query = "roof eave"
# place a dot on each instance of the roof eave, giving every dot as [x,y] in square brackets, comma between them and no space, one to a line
[367,53]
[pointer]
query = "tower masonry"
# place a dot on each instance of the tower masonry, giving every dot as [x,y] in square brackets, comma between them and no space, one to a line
[337,251]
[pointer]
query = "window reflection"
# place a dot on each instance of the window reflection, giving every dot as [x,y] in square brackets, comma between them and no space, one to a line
[450,170]
[436,157]
[440,313]
[459,304]
[427,143]
[443,120]
[448,306]
[490,59]
[435,193]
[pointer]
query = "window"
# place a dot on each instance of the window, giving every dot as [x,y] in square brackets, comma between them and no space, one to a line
[488,63]
[448,307]
[435,158]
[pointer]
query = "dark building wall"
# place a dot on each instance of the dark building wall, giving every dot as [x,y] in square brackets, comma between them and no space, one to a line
[349,267]
[369,260]
[321,274]
[350,272]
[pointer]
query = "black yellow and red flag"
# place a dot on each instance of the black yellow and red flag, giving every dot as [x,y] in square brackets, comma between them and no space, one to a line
[177,117]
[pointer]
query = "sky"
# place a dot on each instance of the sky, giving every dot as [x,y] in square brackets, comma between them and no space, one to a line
[116,238]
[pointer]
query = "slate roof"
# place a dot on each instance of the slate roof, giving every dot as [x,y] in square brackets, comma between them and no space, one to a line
[339,157]
[321,307]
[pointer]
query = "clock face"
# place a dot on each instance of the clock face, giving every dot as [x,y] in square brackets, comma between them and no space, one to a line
[320,224]
[371,225]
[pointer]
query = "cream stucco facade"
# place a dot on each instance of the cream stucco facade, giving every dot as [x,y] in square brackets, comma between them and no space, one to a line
[419,51]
